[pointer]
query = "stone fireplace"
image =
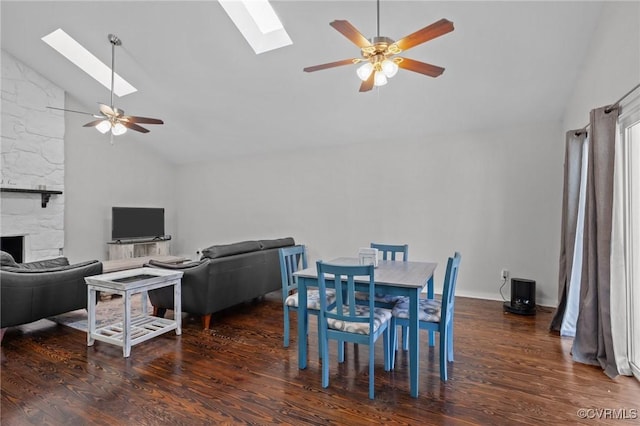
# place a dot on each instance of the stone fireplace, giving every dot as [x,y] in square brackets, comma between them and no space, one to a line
[32,148]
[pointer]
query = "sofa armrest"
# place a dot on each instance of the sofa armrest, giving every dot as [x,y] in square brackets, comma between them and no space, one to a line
[47,263]
[52,267]
[196,287]
[163,265]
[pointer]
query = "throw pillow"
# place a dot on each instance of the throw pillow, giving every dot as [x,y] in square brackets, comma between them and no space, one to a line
[6,260]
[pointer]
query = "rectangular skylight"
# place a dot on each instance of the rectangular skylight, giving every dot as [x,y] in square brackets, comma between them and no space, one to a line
[87,62]
[258,23]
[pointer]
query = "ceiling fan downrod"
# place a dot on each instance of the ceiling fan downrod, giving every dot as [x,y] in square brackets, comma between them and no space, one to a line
[115,41]
[378,18]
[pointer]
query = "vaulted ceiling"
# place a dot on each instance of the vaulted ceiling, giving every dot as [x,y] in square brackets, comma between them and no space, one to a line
[507,63]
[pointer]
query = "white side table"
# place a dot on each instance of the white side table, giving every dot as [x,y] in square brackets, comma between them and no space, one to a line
[133,330]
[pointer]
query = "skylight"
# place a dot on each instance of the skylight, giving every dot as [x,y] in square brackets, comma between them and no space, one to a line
[87,62]
[258,23]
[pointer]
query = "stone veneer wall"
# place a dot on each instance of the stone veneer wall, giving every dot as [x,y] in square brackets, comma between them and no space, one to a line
[32,147]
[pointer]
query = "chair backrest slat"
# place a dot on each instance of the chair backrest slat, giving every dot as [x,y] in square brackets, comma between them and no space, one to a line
[448,292]
[389,251]
[343,278]
[292,259]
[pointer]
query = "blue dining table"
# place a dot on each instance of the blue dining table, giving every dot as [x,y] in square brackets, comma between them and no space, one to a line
[390,277]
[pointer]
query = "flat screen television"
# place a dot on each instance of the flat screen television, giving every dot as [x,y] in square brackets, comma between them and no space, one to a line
[137,223]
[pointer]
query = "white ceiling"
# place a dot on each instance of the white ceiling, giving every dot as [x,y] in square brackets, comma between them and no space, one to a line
[507,63]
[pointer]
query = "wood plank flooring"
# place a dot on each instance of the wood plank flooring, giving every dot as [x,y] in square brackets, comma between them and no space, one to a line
[508,370]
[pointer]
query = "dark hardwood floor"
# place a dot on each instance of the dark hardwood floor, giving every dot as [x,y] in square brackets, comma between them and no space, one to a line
[509,370]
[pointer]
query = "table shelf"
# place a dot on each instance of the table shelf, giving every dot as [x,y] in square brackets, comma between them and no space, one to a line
[143,327]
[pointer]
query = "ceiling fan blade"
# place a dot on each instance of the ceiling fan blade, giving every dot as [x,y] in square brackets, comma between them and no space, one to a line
[429,32]
[134,126]
[94,123]
[143,120]
[368,83]
[350,32]
[332,64]
[420,67]
[106,110]
[70,110]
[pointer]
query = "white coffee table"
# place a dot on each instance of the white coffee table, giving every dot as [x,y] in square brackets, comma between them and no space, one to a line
[133,330]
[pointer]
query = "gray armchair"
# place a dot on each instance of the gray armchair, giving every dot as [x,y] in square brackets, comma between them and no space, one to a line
[35,290]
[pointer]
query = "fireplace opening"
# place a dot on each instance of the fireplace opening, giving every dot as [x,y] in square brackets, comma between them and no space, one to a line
[14,246]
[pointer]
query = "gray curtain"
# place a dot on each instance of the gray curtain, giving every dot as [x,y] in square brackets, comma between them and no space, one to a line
[570,201]
[593,343]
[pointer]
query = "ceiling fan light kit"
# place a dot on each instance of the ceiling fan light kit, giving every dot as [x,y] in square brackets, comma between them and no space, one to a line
[379,53]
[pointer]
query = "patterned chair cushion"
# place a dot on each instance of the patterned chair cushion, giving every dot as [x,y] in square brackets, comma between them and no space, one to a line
[428,309]
[380,316]
[382,298]
[362,295]
[313,299]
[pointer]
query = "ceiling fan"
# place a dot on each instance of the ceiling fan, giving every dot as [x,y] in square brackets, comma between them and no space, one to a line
[379,53]
[112,118]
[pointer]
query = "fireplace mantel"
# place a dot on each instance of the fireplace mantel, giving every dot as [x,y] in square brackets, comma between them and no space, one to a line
[45,193]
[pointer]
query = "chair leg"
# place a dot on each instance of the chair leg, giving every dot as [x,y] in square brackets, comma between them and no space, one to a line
[320,343]
[387,349]
[393,342]
[432,338]
[372,351]
[405,338]
[286,326]
[450,342]
[444,335]
[206,321]
[325,361]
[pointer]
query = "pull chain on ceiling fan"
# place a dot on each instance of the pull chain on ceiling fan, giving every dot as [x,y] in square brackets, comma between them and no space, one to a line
[112,118]
[379,53]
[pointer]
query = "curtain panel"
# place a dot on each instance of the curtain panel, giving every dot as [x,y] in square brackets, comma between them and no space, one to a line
[619,264]
[593,342]
[570,201]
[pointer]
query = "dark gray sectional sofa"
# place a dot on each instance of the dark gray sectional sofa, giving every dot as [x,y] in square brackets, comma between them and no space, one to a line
[225,276]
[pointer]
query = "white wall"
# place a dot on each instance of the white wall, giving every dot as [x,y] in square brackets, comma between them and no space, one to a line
[100,175]
[612,65]
[494,196]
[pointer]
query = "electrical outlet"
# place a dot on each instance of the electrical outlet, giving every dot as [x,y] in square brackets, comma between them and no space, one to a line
[504,274]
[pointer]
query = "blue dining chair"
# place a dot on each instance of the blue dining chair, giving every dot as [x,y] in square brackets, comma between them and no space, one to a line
[349,321]
[291,258]
[389,252]
[434,315]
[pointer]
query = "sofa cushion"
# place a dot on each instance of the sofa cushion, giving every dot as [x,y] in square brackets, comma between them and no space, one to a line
[6,260]
[215,252]
[280,242]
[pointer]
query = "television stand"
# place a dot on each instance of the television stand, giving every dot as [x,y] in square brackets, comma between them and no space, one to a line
[144,248]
